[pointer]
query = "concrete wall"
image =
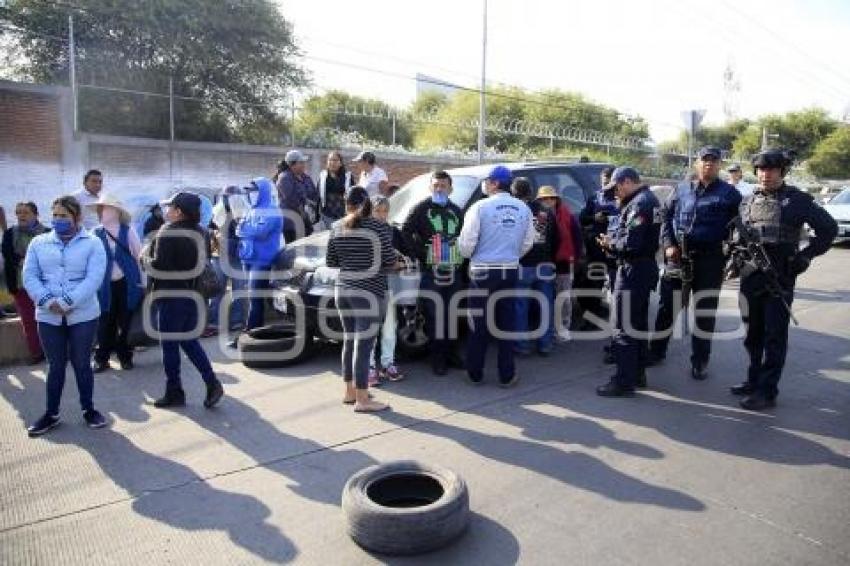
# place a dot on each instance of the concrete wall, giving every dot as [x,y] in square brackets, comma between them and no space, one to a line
[41,158]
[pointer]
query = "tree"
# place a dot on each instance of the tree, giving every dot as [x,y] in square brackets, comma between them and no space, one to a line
[722,136]
[338,110]
[798,131]
[831,157]
[519,120]
[230,60]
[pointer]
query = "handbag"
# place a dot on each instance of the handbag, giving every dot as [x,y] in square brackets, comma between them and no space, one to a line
[208,283]
[136,335]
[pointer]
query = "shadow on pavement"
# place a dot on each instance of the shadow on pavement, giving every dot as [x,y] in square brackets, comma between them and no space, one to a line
[196,506]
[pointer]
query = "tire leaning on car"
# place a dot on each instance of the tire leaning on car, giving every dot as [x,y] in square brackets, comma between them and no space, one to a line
[405,507]
[257,346]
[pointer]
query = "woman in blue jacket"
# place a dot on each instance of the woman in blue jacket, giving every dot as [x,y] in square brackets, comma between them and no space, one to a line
[259,243]
[63,270]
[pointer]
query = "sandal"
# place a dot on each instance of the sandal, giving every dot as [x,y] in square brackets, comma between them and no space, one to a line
[371,407]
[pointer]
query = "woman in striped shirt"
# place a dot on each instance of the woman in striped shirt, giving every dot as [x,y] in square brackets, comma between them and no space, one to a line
[361,247]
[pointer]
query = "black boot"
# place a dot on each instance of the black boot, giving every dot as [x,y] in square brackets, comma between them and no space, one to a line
[613,389]
[641,380]
[699,370]
[745,388]
[214,393]
[758,402]
[174,397]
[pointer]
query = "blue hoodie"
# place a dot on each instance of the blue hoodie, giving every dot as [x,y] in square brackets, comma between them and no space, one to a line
[260,232]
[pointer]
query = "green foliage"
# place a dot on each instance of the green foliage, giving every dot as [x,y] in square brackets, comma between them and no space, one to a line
[235,55]
[798,131]
[509,106]
[333,111]
[831,157]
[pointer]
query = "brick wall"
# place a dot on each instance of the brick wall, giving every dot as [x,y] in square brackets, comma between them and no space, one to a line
[29,128]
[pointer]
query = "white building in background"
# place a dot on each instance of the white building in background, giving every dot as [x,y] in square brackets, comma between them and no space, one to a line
[426,83]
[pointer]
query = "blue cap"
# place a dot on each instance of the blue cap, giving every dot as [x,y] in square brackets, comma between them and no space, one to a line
[709,151]
[501,174]
[620,174]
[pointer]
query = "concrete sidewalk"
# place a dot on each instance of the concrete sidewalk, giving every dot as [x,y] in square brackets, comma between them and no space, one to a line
[678,475]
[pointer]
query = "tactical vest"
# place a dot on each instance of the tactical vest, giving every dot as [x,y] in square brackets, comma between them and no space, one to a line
[764,216]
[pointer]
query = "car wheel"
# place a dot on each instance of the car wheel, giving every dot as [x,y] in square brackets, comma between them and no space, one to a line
[274,346]
[405,507]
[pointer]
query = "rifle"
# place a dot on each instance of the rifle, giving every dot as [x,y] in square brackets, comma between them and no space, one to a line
[687,275]
[750,256]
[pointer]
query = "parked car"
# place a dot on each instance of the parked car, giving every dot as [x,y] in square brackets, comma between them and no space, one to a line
[304,286]
[839,208]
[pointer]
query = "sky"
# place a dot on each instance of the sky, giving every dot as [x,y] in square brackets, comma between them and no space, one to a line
[650,58]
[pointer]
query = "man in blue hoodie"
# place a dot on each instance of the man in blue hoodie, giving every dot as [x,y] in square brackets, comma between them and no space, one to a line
[259,242]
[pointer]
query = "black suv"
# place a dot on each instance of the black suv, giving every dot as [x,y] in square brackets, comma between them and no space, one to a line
[304,286]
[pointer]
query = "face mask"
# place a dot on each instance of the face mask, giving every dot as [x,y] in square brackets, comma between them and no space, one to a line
[440,198]
[63,226]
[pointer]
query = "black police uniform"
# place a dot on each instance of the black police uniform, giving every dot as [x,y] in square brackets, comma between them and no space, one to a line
[634,245]
[777,218]
[700,215]
[599,263]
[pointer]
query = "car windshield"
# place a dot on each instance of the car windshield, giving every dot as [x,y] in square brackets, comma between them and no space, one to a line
[418,189]
[841,198]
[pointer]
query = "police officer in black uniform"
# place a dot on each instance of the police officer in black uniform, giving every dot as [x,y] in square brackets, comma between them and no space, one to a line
[597,217]
[697,214]
[634,245]
[775,215]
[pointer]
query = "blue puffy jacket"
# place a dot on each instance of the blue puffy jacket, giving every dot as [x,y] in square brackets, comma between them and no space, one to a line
[261,231]
[70,273]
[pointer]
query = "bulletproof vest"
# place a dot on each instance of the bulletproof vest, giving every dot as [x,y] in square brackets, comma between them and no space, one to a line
[764,216]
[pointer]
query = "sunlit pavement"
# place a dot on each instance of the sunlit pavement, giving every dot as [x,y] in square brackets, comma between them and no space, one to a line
[677,475]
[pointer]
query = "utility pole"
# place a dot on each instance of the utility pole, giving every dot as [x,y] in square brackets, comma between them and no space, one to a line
[72,56]
[482,102]
[171,108]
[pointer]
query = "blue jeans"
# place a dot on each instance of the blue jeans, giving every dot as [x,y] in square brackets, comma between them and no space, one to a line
[257,281]
[65,343]
[491,280]
[360,330]
[181,315]
[539,278]
[238,307]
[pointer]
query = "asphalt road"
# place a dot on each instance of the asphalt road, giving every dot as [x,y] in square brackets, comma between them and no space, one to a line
[677,475]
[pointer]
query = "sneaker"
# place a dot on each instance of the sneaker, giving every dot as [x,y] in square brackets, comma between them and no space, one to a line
[172,398]
[509,383]
[214,394]
[94,419]
[392,373]
[43,425]
[99,366]
[374,378]
[563,336]
[127,365]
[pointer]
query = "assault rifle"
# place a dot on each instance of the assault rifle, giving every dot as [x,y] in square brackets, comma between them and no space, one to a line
[748,256]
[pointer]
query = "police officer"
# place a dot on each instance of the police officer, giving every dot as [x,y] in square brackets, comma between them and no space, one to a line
[634,244]
[599,216]
[696,214]
[776,214]
[496,232]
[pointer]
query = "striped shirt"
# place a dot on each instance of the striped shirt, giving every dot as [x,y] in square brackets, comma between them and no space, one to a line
[363,256]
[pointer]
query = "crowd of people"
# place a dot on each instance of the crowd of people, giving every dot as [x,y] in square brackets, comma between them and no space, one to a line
[78,281]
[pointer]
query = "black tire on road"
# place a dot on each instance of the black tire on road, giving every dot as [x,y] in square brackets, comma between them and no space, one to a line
[273,339]
[405,507]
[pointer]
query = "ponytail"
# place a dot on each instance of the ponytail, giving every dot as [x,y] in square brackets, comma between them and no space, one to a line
[359,206]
